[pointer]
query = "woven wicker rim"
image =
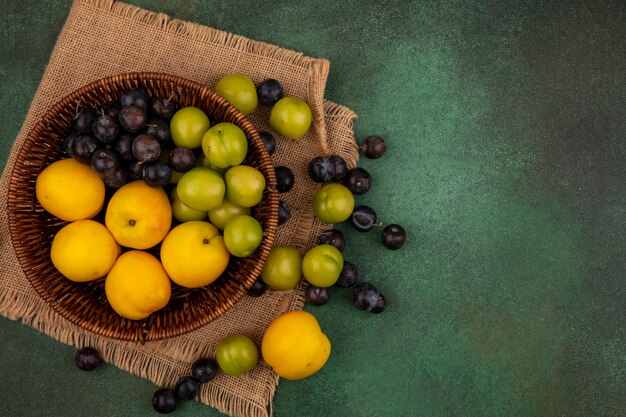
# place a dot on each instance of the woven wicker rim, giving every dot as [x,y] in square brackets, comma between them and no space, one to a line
[32,229]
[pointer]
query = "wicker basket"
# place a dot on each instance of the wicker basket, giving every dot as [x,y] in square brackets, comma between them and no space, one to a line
[85,304]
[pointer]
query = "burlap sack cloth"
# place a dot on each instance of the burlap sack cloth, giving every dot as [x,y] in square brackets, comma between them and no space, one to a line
[96,42]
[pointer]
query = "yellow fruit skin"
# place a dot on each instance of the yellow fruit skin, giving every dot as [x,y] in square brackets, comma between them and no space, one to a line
[139,216]
[194,254]
[137,285]
[70,190]
[84,251]
[294,345]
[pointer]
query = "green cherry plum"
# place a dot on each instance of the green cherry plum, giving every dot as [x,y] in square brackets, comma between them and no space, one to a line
[322,265]
[333,203]
[236,354]
[201,161]
[188,126]
[283,268]
[242,235]
[183,213]
[240,91]
[221,215]
[225,145]
[201,189]
[291,117]
[244,185]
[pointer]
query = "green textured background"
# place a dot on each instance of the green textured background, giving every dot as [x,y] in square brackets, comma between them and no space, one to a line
[506,127]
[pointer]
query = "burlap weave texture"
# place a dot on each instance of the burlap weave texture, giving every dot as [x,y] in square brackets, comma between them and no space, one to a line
[92,45]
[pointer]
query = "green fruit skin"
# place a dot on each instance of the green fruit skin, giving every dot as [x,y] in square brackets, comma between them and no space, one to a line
[244,185]
[221,215]
[225,145]
[201,189]
[322,265]
[183,213]
[188,126]
[236,354]
[333,203]
[242,235]
[291,117]
[240,91]
[201,161]
[283,268]
[176,176]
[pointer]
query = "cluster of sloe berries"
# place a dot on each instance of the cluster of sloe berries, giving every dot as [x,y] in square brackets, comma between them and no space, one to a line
[165,400]
[363,219]
[124,140]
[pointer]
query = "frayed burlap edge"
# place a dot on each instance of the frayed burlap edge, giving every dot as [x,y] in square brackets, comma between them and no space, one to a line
[319,68]
[33,312]
[41,317]
[330,119]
